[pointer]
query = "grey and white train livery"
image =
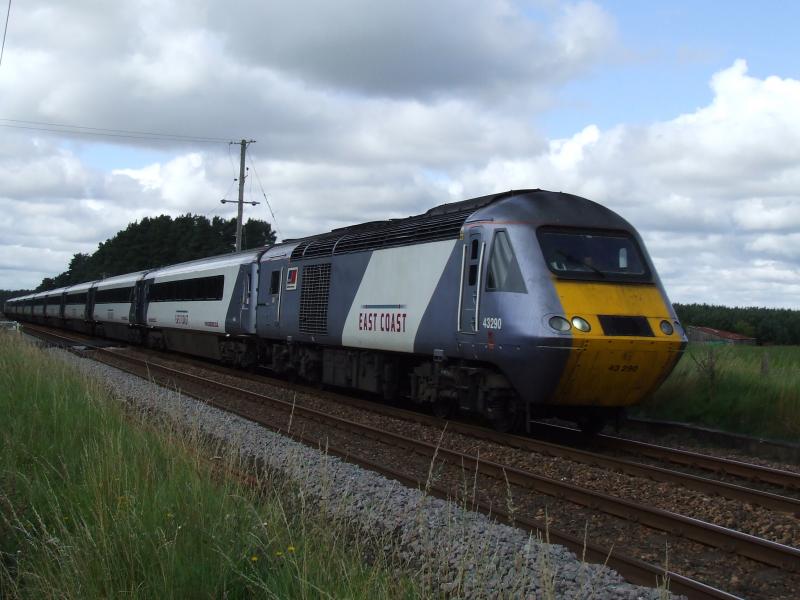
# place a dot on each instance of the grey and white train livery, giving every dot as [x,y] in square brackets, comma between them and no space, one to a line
[516,305]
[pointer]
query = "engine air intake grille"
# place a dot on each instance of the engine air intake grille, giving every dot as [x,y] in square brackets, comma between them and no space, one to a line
[625,326]
[315,287]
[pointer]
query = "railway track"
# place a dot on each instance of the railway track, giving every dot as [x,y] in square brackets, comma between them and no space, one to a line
[723,466]
[772,450]
[577,452]
[248,404]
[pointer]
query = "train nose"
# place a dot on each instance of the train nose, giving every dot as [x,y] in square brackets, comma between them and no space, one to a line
[615,371]
[621,349]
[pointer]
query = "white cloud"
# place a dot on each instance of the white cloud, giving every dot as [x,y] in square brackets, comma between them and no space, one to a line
[759,214]
[731,168]
[417,48]
[780,246]
[365,111]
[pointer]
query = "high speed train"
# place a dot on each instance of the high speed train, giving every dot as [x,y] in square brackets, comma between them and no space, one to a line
[514,306]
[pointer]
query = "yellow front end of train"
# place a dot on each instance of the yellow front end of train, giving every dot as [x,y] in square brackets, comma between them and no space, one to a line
[631,344]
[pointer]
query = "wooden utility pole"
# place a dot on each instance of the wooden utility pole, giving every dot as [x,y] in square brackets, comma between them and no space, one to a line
[240,202]
[241,199]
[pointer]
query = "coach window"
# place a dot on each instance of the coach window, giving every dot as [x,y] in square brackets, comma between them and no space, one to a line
[504,274]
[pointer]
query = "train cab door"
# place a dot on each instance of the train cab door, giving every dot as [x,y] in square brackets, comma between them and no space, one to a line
[273,275]
[471,274]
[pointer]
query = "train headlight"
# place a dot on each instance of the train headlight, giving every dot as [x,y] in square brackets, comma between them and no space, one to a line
[559,324]
[666,328]
[581,324]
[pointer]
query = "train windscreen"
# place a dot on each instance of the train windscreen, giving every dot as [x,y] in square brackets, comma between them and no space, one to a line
[593,254]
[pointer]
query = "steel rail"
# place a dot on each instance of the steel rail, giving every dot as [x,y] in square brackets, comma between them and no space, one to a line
[781,451]
[706,462]
[729,540]
[785,479]
[634,570]
[701,484]
[39,331]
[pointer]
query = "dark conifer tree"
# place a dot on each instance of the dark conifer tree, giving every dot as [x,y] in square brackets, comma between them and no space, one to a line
[158,241]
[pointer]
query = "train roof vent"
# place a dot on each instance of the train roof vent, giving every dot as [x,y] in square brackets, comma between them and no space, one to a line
[405,232]
[299,249]
[319,247]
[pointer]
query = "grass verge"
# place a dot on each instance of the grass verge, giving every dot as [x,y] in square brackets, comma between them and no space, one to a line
[754,390]
[95,502]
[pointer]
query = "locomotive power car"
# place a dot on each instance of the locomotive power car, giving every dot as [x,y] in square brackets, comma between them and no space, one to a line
[513,306]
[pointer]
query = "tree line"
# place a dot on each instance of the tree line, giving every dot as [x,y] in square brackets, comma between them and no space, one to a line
[767,325]
[156,242]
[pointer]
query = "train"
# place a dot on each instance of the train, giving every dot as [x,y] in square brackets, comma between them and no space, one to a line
[514,306]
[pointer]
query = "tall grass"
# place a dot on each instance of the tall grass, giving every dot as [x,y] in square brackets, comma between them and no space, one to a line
[97,504]
[753,390]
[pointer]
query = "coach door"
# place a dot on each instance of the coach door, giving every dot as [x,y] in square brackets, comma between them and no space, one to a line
[247,311]
[138,313]
[469,301]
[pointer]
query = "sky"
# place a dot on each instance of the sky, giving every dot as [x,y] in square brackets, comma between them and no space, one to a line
[680,116]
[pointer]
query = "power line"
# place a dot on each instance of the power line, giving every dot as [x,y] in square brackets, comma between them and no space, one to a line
[230,157]
[114,133]
[263,193]
[5,31]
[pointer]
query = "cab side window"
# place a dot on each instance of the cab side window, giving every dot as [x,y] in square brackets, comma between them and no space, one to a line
[504,274]
[275,282]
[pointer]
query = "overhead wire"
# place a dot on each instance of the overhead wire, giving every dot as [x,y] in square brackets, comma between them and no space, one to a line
[131,134]
[5,31]
[225,195]
[230,157]
[115,133]
[263,193]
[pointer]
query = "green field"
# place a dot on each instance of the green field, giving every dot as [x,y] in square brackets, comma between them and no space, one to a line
[753,390]
[96,502]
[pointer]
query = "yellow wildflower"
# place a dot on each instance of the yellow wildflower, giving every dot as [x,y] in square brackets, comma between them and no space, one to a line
[254,558]
[278,553]
[290,549]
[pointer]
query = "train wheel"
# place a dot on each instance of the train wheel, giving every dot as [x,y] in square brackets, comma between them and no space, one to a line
[443,408]
[591,424]
[506,419]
